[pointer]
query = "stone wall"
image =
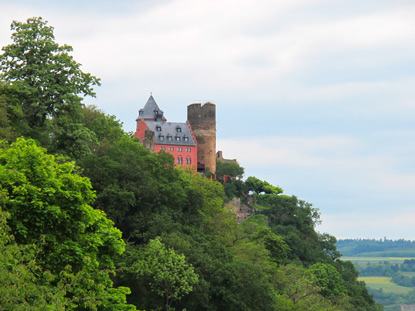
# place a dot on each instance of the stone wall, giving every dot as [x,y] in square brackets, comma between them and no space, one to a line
[241,210]
[202,118]
[219,157]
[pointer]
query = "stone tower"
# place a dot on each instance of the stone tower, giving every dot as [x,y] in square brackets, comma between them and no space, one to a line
[202,119]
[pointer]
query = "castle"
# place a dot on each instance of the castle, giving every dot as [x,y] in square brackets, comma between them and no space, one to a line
[192,143]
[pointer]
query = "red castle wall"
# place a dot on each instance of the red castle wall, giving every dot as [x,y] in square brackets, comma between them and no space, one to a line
[140,131]
[183,155]
[188,155]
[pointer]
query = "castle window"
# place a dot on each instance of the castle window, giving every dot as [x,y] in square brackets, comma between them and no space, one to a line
[179,148]
[178,129]
[179,160]
[158,128]
[188,161]
[188,149]
[171,148]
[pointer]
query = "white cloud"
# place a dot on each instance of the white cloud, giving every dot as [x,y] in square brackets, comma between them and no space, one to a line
[371,225]
[210,42]
[335,161]
[287,151]
[400,89]
[267,53]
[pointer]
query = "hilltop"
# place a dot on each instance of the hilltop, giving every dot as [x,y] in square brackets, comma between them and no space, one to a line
[92,220]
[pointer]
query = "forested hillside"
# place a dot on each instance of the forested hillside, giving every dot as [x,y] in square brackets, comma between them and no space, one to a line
[90,220]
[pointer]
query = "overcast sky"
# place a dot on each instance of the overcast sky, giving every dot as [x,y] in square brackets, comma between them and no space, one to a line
[316,96]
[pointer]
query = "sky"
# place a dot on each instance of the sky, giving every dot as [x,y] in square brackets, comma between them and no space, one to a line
[315,96]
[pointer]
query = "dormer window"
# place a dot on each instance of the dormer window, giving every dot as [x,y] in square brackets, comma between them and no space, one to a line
[161,137]
[140,112]
[158,128]
[169,138]
[186,138]
[158,114]
[178,129]
[177,138]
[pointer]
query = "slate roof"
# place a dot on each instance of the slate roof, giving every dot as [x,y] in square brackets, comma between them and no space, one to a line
[149,109]
[171,133]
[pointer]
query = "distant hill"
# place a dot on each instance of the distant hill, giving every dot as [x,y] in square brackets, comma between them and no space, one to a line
[376,248]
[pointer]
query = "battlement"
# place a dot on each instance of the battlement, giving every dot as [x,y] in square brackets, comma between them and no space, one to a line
[202,115]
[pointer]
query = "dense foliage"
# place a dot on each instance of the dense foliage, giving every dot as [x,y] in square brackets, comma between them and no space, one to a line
[48,203]
[183,249]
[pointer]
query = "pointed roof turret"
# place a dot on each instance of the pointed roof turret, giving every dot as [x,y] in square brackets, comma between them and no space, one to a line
[151,111]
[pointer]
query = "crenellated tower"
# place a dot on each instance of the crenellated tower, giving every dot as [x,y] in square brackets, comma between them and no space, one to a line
[202,118]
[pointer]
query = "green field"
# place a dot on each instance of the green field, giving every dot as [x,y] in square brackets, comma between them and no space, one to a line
[392,295]
[377,282]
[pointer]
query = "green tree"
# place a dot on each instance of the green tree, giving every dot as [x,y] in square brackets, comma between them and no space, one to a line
[232,169]
[259,186]
[327,278]
[48,201]
[134,184]
[298,291]
[328,243]
[44,84]
[106,127]
[170,275]
[23,284]
[6,131]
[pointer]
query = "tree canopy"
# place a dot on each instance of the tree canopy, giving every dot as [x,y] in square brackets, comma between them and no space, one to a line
[45,86]
[48,201]
[225,168]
